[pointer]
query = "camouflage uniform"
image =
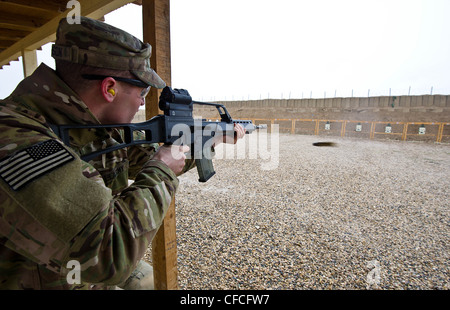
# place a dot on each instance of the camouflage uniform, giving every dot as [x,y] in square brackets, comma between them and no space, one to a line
[56,208]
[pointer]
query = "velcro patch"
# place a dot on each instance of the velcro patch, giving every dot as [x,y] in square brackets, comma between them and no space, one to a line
[31,163]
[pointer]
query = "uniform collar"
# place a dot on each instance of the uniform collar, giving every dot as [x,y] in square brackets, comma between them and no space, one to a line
[52,97]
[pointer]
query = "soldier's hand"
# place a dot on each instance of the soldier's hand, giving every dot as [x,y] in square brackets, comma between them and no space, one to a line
[239,133]
[173,156]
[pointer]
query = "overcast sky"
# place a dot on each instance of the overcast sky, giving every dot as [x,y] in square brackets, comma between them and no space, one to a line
[252,49]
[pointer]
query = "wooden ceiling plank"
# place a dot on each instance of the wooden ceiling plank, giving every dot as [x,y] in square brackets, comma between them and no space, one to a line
[16,21]
[57,6]
[11,34]
[47,32]
[12,8]
[4,43]
[17,27]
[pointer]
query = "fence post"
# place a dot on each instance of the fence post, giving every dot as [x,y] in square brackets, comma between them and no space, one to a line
[344,124]
[405,131]
[316,130]
[440,132]
[372,130]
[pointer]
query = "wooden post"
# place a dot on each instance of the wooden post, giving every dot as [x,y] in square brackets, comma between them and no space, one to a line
[29,62]
[156,23]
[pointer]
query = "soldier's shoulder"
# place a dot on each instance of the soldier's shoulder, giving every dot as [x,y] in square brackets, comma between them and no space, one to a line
[18,131]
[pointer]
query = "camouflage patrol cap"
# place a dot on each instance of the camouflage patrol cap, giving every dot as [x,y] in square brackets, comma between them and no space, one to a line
[97,44]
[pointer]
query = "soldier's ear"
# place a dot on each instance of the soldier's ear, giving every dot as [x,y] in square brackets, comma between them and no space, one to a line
[108,89]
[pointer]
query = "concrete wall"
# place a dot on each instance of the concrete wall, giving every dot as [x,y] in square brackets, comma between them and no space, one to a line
[346,103]
[426,108]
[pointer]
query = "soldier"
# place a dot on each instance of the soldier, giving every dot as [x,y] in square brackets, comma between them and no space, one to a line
[59,214]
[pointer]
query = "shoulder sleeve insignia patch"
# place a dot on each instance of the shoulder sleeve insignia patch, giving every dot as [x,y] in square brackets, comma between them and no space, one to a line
[31,163]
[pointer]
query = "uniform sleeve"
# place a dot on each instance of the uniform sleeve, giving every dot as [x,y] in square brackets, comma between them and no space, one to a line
[139,155]
[118,236]
[67,213]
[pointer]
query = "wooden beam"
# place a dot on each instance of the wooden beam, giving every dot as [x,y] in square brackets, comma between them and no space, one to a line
[47,32]
[29,62]
[156,20]
[156,23]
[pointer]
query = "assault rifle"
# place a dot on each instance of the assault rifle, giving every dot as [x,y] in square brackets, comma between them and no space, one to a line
[176,126]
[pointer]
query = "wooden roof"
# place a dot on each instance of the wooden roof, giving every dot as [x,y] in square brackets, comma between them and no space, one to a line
[26,25]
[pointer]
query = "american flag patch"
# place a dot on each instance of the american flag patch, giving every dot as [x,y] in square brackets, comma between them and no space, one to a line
[26,165]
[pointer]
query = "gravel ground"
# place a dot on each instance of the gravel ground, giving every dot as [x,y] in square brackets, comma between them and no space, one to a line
[364,214]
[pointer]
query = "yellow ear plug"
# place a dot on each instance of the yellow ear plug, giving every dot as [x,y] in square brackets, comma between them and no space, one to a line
[112,91]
